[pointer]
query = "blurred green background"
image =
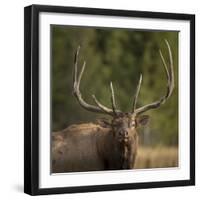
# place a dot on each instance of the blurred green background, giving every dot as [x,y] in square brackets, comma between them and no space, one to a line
[117,55]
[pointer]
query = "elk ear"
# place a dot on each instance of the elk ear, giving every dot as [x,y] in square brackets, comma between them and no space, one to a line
[104,122]
[142,120]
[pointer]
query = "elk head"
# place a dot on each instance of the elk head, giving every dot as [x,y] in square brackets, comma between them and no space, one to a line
[124,125]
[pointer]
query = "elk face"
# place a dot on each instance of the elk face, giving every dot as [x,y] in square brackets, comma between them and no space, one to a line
[125,127]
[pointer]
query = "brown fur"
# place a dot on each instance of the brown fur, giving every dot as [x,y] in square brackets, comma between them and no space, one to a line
[95,146]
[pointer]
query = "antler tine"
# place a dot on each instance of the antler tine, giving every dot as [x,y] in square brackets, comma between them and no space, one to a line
[102,107]
[167,72]
[170,83]
[113,98]
[105,109]
[137,93]
[75,66]
[81,73]
[171,68]
[76,83]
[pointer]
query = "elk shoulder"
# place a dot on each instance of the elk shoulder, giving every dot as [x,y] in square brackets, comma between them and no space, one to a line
[78,144]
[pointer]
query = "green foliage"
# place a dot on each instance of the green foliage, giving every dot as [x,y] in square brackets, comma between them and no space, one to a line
[117,55]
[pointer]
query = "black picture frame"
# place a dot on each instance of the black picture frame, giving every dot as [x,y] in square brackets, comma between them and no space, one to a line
[31,98]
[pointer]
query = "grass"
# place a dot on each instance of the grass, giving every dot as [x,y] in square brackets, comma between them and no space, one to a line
[156,157]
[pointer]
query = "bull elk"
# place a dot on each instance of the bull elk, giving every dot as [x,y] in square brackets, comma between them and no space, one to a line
[105,145]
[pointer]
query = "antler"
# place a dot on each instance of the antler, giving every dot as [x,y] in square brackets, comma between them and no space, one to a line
[170,85]
[76,82]
[137,93]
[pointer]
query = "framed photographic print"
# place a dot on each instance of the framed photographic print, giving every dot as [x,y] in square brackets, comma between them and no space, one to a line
[109,100]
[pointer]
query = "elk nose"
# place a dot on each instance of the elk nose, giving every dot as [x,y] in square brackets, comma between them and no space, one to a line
[123,133]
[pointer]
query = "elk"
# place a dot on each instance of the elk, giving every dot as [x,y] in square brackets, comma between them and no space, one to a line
[104,145]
